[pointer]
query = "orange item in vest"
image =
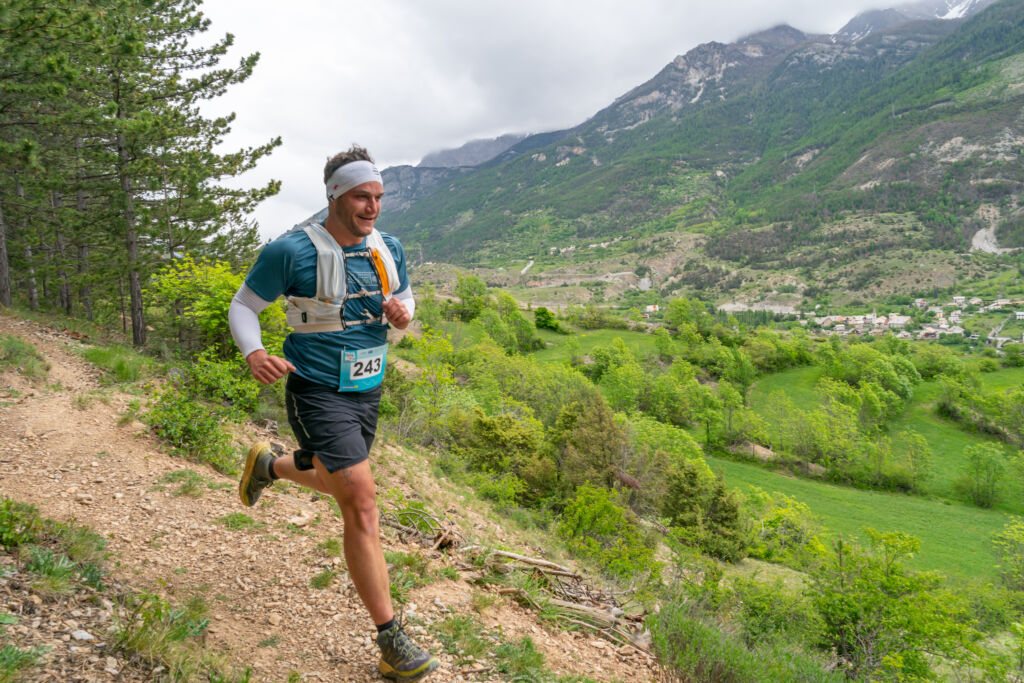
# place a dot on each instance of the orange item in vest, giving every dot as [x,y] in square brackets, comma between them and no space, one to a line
[382,273]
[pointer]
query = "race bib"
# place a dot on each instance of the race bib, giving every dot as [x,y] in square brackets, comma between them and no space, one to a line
[362,369]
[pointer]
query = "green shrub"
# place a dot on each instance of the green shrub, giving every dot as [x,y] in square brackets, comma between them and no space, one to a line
[1009,544]
[21,357]
[785,531]
[19,523]
[226,382]
[191,428]
[705,514]
[598,528]
[697,650]
[769,613]
[502,489]
[197,295]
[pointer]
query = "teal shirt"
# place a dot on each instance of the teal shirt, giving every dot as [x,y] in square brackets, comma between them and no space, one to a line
[287,266]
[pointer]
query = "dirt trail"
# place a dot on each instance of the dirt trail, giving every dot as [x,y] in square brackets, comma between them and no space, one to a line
[63,449]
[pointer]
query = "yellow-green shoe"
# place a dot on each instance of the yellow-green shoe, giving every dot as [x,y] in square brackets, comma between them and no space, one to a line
[400,658]
[255,476]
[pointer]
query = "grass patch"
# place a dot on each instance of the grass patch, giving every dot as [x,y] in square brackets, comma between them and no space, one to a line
[462,636]
[160,634]
[21,357]
[332,547]
[14,660]
[239,520]
[323,580]
[407,571]
[520,660]
[55,572]
[121,365]
[190,483]
[948,442]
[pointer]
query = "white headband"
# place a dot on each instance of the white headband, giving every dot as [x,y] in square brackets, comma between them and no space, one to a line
[351,175]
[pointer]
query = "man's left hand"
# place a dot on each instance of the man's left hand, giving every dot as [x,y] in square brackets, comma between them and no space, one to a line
[397,313]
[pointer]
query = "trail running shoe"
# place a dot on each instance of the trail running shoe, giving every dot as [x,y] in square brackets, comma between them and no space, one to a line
[402,659]
[255,476]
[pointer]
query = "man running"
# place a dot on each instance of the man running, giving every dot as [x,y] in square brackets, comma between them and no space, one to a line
[345,283]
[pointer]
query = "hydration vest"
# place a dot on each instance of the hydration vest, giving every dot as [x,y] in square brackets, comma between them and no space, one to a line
[325,312]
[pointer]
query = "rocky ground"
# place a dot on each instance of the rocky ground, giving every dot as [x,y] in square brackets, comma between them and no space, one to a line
[66,447]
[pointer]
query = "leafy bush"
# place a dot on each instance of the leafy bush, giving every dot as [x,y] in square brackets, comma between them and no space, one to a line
[198,295]
[22,357]
[20,523]
[690,644]
[191,428]
[884,621]
[597,527]
[228,382]
[1009,544]
[785,531]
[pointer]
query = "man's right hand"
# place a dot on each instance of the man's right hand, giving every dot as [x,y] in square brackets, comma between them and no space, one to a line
[267,369]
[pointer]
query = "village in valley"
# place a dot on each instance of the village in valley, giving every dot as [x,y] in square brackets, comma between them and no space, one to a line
[940,320]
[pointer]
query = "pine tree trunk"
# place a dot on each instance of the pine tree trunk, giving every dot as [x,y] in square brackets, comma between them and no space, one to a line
[84,290]
[5,267]
[60,253]
[33,290]
[132,246]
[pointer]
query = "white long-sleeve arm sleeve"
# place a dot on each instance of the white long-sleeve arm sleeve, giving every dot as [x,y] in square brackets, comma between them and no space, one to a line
[244,320]
[405,296]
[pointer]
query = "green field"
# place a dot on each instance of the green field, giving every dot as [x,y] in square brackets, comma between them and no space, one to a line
[797,383]
[557,351]
[947,439]
[955,539]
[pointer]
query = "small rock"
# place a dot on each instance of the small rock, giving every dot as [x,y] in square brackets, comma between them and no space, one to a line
[82,635]
[84,498]
[599,644]
[118,496]
[439,605]
[274,619]
[94,464]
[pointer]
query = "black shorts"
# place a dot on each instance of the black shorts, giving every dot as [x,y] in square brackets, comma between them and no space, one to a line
[336,426]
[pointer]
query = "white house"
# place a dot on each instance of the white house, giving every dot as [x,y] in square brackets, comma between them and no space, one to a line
[1019,314]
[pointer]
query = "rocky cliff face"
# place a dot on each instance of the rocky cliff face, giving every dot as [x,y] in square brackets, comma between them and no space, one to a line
[406,184]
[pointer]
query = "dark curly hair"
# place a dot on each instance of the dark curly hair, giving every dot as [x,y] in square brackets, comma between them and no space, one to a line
[353,153]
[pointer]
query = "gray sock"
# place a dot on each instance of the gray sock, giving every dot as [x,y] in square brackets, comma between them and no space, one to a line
[264,468]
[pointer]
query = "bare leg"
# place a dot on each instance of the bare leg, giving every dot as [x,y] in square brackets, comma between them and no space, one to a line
[356,494]
[284,467]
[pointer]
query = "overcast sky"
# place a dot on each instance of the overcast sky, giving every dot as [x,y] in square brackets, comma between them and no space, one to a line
[408,77]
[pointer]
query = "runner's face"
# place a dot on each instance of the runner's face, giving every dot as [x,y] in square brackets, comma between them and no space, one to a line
[357,210]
